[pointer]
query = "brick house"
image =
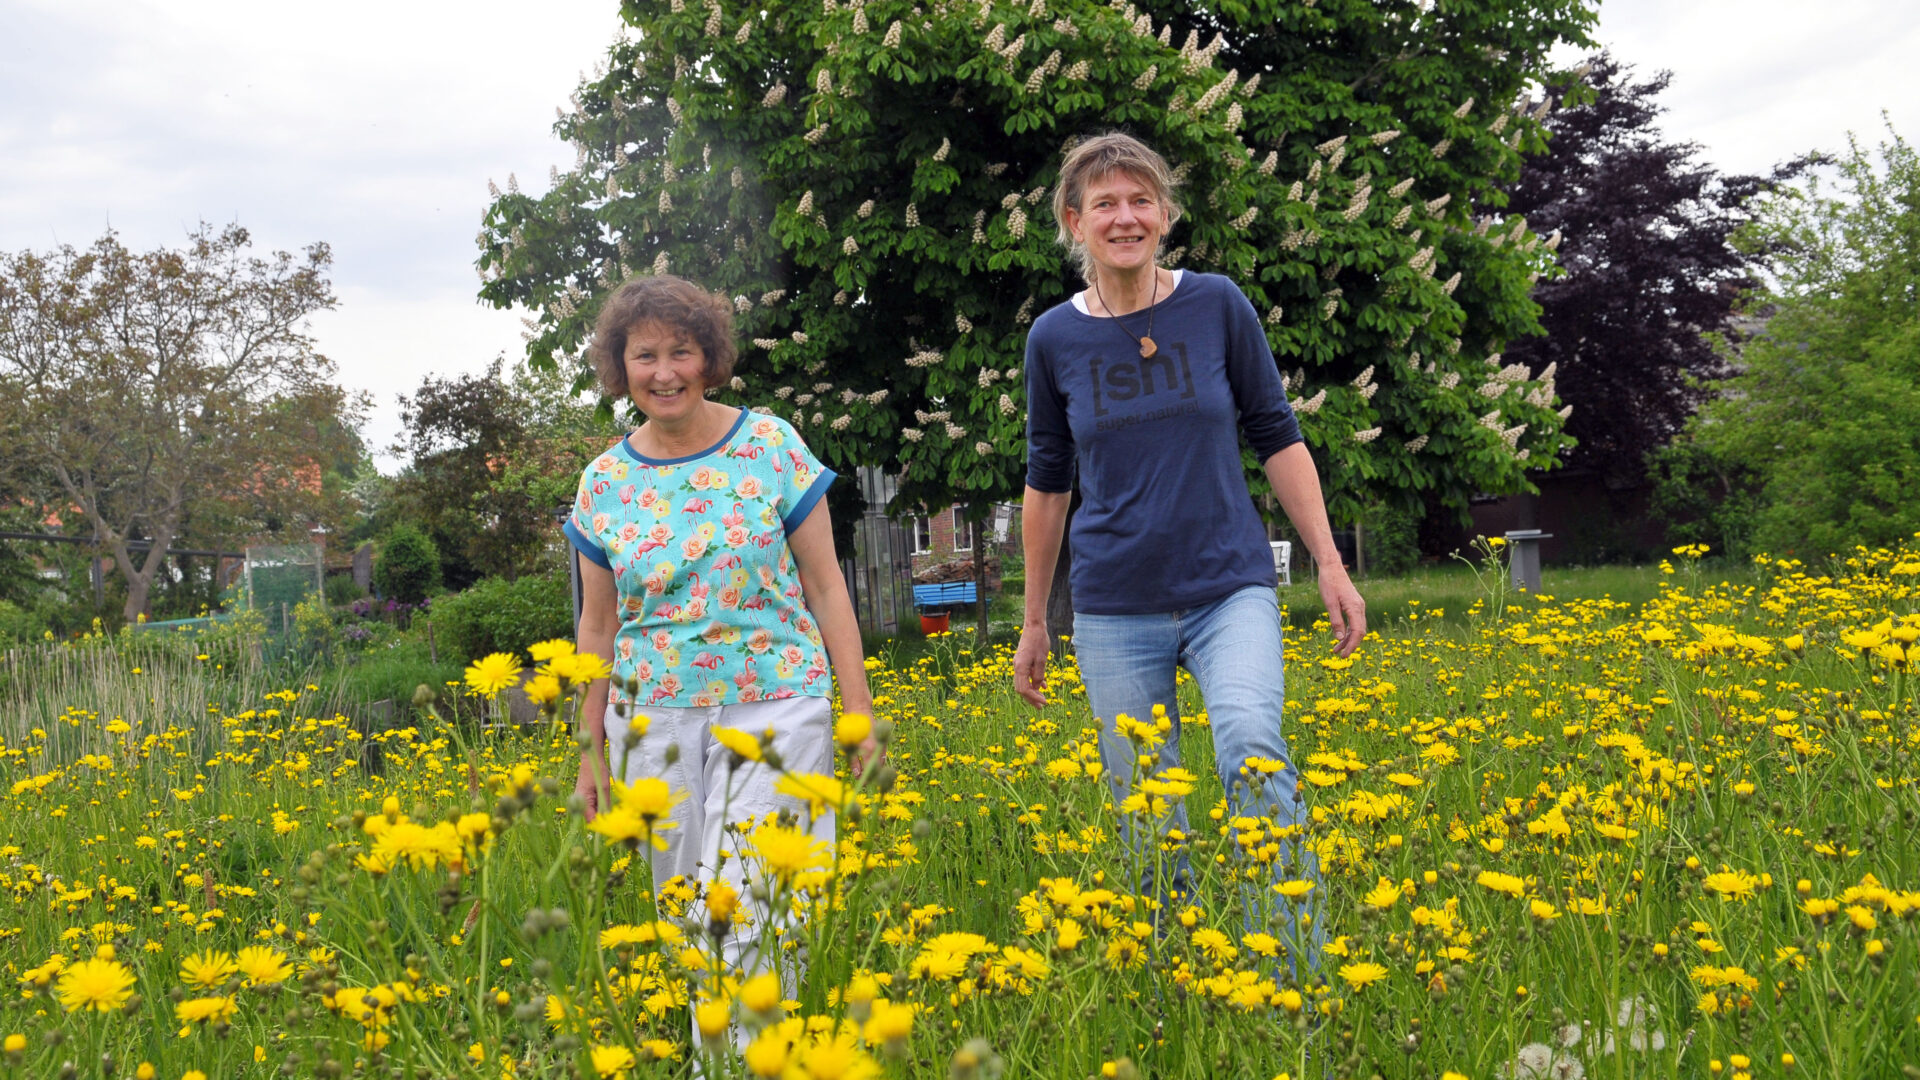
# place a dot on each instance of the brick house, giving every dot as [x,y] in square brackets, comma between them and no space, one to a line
[943,536]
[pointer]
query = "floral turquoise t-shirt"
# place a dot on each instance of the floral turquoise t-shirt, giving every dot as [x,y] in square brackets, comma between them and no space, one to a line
[711,611]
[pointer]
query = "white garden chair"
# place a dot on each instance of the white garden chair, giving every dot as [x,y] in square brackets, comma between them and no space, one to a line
[1282,559]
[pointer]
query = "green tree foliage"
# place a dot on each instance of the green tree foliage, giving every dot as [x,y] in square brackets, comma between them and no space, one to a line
[871,181]
[1824,414]
[464,432]
[407,566]
[170,395]
[498,615]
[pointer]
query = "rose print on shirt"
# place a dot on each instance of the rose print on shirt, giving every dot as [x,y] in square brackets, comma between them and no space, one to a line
[712,607]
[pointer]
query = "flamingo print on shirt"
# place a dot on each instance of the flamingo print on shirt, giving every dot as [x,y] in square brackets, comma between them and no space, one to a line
[712,611]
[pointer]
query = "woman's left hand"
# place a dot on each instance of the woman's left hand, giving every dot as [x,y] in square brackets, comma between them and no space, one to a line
[1346,612]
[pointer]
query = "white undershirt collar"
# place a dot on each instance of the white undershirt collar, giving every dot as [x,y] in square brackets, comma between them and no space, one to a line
[1080,298]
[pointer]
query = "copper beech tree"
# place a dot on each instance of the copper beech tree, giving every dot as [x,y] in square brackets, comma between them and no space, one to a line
[148,392]
[870,182]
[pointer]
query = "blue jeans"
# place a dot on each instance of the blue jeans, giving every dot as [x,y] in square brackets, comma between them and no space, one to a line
[1233,647]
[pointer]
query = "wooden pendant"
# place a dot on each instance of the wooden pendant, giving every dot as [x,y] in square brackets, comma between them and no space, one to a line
[1147,348]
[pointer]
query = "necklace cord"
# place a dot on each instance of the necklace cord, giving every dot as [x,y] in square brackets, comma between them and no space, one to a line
[1154,299]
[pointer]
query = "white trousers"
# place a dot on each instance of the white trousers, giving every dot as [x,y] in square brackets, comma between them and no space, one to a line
[722,802]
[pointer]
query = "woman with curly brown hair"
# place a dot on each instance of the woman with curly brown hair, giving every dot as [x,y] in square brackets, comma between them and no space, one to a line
[708,576]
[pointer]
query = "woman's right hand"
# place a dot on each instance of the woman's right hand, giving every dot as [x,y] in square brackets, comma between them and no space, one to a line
[588,788]
[1030,665]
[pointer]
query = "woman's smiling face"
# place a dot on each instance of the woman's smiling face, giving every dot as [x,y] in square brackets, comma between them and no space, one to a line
[665,372]
[1121,220]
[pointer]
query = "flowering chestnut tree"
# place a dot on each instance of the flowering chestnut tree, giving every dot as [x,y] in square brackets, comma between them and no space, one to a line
[870,182]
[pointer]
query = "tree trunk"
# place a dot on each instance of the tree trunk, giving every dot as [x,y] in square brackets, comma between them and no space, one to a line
[1060,599]
[979,584]
[140,582]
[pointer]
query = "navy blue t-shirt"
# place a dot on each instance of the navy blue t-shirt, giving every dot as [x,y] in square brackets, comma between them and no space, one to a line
[1166,521]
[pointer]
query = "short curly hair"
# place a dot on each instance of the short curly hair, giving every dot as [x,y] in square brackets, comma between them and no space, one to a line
[704,318]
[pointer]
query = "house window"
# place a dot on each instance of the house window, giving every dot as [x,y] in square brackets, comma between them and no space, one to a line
[922,536]
[962,532]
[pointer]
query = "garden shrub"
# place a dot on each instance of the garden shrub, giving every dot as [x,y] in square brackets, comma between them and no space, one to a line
[407,568]
[1392,540]
[498,615]
[343,590]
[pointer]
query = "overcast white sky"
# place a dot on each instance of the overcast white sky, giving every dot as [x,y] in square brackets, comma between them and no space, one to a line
[375,124]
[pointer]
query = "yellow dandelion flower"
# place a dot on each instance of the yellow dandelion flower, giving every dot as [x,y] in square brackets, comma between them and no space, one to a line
[99,984]
[490,674]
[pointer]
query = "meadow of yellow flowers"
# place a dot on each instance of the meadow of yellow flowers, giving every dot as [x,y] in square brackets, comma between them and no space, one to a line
[1559,839]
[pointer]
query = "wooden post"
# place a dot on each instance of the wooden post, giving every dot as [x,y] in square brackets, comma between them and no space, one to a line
[979,584]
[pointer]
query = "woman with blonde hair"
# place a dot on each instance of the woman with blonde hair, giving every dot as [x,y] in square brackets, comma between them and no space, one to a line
[1141,389]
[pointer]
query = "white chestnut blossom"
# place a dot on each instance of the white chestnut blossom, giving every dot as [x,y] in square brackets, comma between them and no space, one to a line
[983,448]
[912,435]
[774,95]
[799,337]
[1367,435]
[1273,315]
[1416,445]
[1382,138]
[1465,108]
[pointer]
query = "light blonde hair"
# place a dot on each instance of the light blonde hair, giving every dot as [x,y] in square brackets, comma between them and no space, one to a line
[1091,159]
